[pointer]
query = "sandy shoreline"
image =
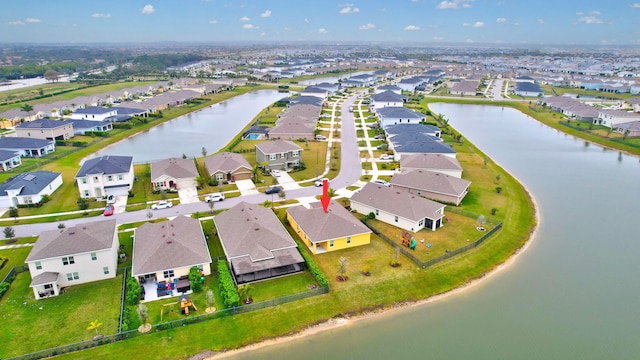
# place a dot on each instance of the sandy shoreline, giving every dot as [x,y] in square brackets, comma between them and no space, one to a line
[343,321]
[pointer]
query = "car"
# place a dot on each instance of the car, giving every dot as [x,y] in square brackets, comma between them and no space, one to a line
[273,190]
[108,210]
[386,157]
[321,137]
[214,197]
[378,137]
[381,182]
[162,205]
[379,147]
[111,199]
[320,182]
[275,172]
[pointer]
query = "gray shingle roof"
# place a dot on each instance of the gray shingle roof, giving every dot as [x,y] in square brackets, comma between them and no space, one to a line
[23,143]
[398,112]
[46,277]
[42,124]
[398,201]
[431,181]
[319,226]
[86,124]
[169,245]
[93,110]
[7,154]
[31,183]
[418,143]
[388,96]
[429,162]
[411,129]
[226,162]
[83,238]
[278,146]
[176,168]
[105,165]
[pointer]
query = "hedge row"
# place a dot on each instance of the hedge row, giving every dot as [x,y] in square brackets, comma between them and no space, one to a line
[315,270]
[228,291]
[4,286]
[133,291]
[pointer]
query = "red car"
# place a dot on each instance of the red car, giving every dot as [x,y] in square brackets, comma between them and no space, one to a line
[108,211]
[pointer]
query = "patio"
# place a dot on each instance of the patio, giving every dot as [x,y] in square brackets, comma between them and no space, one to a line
[151,292]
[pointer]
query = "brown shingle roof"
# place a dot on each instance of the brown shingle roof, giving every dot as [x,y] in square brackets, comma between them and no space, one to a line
[168,245]
[429,161]
[431,181]
[174,167]
[319,226]
[398,201]
[88,237]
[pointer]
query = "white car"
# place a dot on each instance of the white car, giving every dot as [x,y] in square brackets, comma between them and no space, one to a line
[386,157]
[162,205]
[214,197]
[320,182]
[275,172]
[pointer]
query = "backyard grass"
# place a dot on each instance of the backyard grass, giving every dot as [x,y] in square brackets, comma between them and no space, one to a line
[58,320]
[15,256]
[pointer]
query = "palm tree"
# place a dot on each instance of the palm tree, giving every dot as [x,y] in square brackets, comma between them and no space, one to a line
[27,108]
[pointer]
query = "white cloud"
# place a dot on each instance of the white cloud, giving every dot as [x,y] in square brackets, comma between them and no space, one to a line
[438,38]
[478,24]
[322,31]
[590,19]
[636,5]
[466,24]
[367,27]
[213,21]
[595,12]
[501,20]
[263,33]
[540,21]
[248,26]
[349,9]
[100,16]
[15,23]
[469,41]
[455,4]
[306,20]
[412,28]
[148,9]
[266,14]
[32,20]
[244,19]
[287,29]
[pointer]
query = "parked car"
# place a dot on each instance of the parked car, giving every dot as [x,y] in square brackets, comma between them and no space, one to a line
[273,190]
[319,182]
[111,199]
[162,205]
[386,157]
[108,210]
[320,137]
[381,182]
[275,172]
[214,197]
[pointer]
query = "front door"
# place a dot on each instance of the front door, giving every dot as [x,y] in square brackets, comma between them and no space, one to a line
[98,192]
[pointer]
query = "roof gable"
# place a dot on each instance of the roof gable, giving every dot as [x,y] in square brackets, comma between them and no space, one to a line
[83,238]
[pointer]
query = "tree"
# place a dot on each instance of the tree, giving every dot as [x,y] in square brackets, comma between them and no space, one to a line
[212,205]
[13,212]
[94,325]
[195,279]
[27,108]
[204,151]
[494,211]
[9,233]
[83,204]
[245,294]
[143,314]
[331,192]
[481,220]
[342,270]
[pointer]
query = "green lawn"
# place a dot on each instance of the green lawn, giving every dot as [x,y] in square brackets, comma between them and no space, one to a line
[16,256]
[31,324]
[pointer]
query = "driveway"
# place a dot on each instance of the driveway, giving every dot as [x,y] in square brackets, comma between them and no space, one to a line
[287,181]
[246,187]
[188,195]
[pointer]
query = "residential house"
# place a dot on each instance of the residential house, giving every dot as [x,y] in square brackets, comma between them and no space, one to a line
[80,127]
[398,207]
[94,113]
[424,129]
[75,255]
[398,115]
[278,154]
[613,118]
[9,160]
[323,231]
[528,89]
[432,162]
[315,91]
[174,174]
[29,188]
[394,88]
[387,99]
[46,129]
[410,84]
[167,250]
[256,244]
[292,131]
[630,129]
[465,88]
[105,175]
[28,147]
[228,167]
[432,185]
[305,100]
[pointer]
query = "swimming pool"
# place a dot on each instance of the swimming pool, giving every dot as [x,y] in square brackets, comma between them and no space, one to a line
[252,137]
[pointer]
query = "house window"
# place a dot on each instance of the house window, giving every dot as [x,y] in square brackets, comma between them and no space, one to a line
[94,257]
[272,156]
[219,177]
[168,274]
[48,286]
[120,177]
[28,200]
[68,260]
[201,268]
[83,180]
[72,276]
[377,212]
[296,163]
[109,178]
[86,193]
[295,153]
[330,243]
[348,239]
[95,179]
[283,155]
[396,219]
[38,265]
[105,270]
[420,222]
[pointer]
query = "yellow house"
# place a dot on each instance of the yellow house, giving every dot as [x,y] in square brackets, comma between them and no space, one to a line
[334,230]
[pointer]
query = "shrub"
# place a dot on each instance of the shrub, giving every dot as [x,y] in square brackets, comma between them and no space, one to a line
[228,291]
[195,279]
[315,270]
[371,215]
[133,291]
[4,286]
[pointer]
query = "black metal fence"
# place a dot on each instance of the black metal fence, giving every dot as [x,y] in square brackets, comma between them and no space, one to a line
[447,255]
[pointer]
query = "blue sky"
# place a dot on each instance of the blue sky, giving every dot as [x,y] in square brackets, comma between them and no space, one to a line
[534,22]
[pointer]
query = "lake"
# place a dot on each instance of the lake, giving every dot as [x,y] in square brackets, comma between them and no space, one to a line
[212,128]
[573,294]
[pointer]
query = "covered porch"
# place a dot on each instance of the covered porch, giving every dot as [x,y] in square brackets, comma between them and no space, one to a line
[284,262]
[45,285]
[157,290]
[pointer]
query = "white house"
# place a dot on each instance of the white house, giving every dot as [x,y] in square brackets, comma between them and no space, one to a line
[398,207]
[611,118]
[75,255]
[174,173]
[28,188]
[387,99]
[95,113]
[398,115]
[105,175]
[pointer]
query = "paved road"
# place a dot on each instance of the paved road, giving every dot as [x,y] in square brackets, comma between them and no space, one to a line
[350,172]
